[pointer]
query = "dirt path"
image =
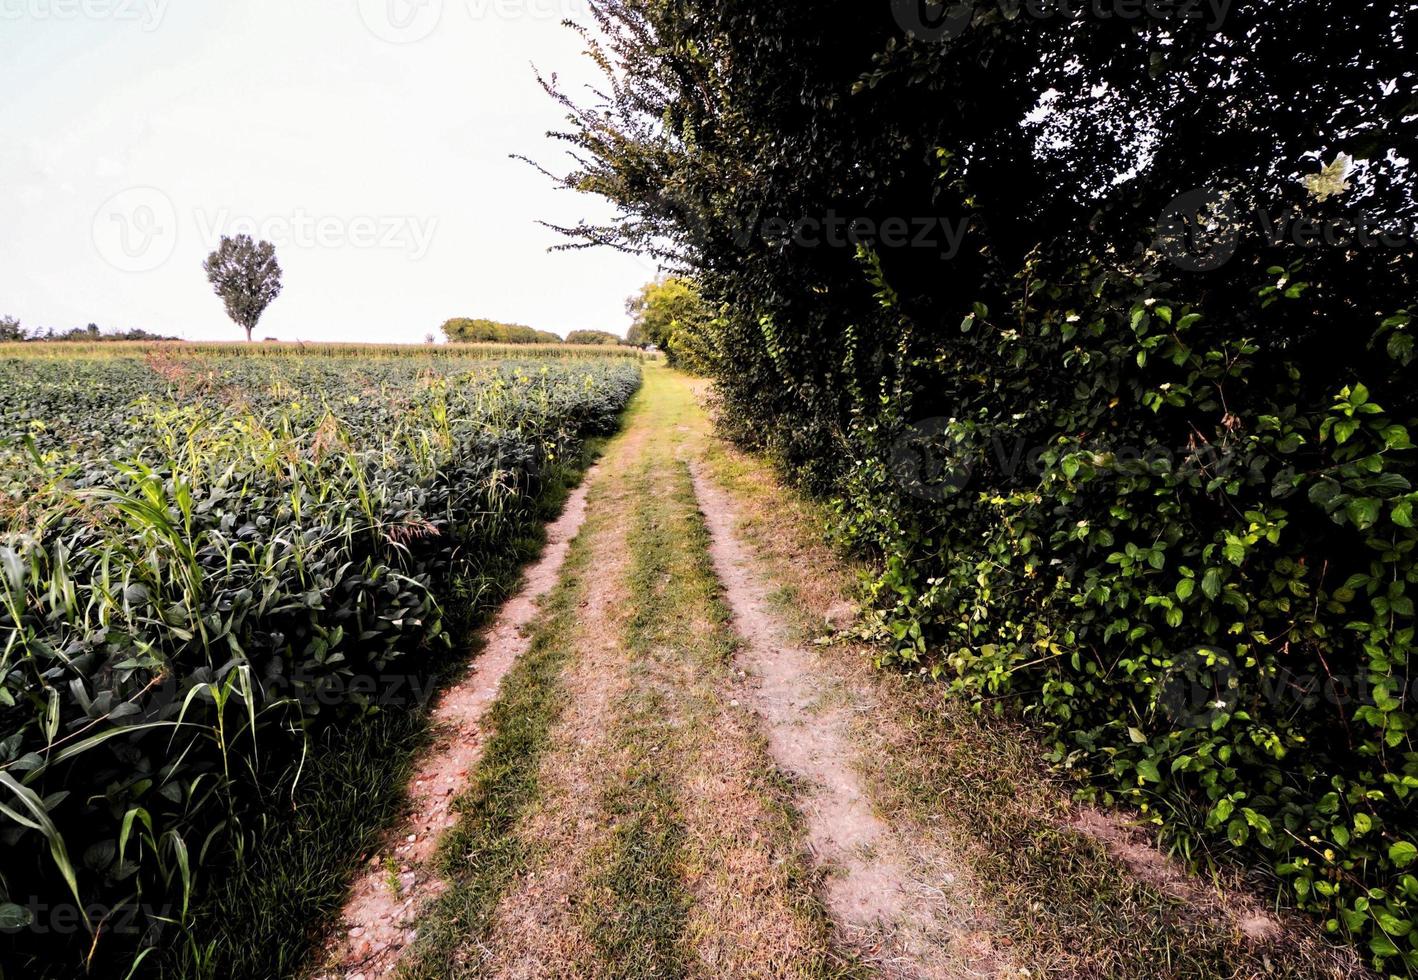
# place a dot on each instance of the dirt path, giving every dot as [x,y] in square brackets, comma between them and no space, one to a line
[660,841]
[378,916]
[675,781]
[907,925]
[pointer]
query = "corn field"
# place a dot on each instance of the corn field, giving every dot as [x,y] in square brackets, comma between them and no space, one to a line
[209,556]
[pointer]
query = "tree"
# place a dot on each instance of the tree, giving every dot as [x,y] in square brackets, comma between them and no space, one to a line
[10,329]
[246,276]
[671,315]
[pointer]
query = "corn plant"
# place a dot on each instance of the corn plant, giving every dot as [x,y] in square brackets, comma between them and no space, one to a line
[208,559]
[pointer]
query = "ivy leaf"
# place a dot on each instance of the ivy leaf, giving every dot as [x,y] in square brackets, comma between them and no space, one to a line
[1402,854]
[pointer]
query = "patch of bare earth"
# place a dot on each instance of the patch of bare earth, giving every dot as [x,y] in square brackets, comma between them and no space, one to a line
[905,912]
[377,920]
[1127,844]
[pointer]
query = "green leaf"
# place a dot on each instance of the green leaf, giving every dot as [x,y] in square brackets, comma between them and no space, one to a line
[1364,511]
[37,818]
[14,917]
[1211,583]
[1400,347]
[1382,946]
[1402,513]
[1402,854]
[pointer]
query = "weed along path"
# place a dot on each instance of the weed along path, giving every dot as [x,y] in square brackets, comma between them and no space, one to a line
[653,771]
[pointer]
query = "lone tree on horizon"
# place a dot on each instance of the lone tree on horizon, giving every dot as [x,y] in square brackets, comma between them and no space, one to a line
[246,275]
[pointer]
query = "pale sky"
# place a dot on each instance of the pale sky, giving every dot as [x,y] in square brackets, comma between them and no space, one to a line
[368,139]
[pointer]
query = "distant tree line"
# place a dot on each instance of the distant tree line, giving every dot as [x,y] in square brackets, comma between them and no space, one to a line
[11,331]
[462,330]
[594,337]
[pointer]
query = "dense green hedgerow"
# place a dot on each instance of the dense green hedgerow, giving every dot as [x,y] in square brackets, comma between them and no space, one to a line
[206,562]
[1073,316]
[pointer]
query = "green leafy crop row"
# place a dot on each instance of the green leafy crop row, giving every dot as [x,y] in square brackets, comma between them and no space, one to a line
[205,561]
